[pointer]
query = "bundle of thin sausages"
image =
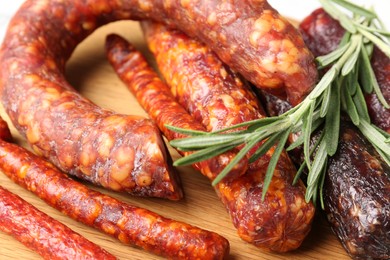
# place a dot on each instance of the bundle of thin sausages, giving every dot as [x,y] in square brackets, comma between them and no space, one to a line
[283,219]
[131,225]
[357,183]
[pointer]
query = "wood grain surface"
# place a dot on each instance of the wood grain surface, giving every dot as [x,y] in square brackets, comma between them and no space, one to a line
[89,72]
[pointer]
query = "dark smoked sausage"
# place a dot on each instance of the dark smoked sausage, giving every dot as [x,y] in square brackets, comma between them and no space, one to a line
[322,34]
[357,183]
[87,141]
[130,224]
[278,223]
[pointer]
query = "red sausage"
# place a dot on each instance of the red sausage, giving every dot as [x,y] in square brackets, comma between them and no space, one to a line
[157,100]
[38,231]
[69,130]
[130,224]
[322,34]
[43,234]
[278,223]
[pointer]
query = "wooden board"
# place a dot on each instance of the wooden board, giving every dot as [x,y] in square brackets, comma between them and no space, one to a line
[90,73]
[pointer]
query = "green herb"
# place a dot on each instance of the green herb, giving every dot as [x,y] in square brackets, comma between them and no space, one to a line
[342,88]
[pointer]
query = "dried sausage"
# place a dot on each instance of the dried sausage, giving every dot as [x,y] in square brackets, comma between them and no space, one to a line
[158,101]
[122,153]
[130,224]
[38,231]
[190,69]
[322,34]
[199,79]
[59,123]
[278,223]
[43,234]
[357,182]
[357,196]
[250,36]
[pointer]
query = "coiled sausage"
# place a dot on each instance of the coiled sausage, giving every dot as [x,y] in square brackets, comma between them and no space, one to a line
[248,35]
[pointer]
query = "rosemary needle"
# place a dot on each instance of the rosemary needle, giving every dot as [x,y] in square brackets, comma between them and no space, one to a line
[349,75]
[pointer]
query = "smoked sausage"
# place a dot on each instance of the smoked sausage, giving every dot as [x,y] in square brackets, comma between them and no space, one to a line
[322,34]
[122,153]
[357,182]
[160,104]
[130,224]
[248,35]
[38,231]
[281,221]
[190,69]
[43,234]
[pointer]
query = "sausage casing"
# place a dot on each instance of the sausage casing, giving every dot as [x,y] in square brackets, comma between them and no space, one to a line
[119,152]
[43,234]
[157,100]
[322,34]
[356,189]
[278,223]
[130,224]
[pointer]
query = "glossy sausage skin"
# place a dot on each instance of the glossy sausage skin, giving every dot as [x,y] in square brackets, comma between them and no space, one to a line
[322,34]
[156,98]
[281,221]
[130,224]
[190,69]
[38,231]
[119,152]
[357,184]
[356,192]
[357,196]
[43,234]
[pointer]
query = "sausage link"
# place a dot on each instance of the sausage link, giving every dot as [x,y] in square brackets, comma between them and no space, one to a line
[130,224]
[322,34]
[122,153]
[356,191]
[156,98]
[357,196]
[278,223]
[38,231]
[357,182]
[190,69]
[248,35]
[43,234]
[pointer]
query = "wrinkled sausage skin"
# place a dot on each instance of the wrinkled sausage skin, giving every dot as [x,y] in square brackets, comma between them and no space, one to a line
[322,34]
[190,69]
[130,224]
[122,153]
[43,234]
[156,98]
[357,196]
[357,183]
[281,221]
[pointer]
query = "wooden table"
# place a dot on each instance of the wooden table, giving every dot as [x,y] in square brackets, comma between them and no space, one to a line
[90,73]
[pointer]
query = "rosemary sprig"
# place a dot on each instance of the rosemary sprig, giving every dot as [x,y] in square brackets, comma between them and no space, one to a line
[342,88]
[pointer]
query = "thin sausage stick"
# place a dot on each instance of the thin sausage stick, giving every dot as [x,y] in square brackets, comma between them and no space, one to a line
[278,223]
[131,225]
[155,97]
[43,234]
